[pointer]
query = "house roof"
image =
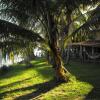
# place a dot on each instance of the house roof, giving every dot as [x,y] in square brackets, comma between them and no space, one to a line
[94,43]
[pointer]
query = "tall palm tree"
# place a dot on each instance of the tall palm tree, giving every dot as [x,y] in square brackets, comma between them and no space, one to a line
[30,13]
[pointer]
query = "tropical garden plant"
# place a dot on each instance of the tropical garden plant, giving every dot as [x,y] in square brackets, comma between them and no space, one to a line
[48,22]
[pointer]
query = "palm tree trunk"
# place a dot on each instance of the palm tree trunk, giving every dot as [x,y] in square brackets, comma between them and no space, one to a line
[60,71]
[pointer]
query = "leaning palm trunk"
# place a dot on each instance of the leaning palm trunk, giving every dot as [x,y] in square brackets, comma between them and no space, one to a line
[60,71]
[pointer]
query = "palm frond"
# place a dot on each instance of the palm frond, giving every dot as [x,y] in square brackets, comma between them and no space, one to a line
[90,26]
[7,28]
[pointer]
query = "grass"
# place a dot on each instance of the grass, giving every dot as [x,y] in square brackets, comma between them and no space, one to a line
[36,82]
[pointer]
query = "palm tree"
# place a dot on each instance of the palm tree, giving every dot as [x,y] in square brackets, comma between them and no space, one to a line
[30,13]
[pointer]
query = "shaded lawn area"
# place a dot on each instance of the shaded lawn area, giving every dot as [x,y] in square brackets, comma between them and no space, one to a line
[36,83]
[90,73]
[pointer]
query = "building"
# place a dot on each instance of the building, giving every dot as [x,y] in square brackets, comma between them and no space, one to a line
[86,50]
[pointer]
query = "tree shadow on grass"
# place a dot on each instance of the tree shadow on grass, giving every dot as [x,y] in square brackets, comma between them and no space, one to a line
[39,89]
[94,94]
[90,73]
[13,84]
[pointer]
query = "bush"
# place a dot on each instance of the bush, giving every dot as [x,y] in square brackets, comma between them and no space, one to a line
[4,69]
[29,65]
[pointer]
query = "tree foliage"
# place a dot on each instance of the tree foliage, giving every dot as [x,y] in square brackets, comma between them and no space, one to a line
[50,21]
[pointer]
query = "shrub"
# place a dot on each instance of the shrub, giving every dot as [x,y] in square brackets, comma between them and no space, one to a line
[4,69]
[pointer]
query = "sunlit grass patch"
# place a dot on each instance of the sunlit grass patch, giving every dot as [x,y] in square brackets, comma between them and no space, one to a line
[68,91]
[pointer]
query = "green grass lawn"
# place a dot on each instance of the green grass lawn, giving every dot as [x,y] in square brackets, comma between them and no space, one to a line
[36,83]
